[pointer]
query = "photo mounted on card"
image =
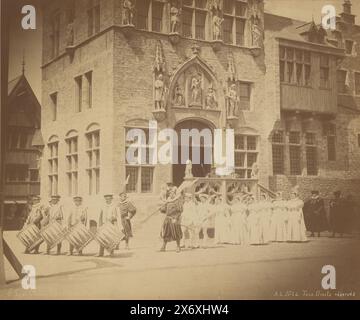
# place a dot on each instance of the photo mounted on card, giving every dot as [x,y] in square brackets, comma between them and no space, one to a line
[180,150]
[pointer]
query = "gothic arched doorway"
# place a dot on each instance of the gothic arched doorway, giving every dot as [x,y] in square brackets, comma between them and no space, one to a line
[199,168]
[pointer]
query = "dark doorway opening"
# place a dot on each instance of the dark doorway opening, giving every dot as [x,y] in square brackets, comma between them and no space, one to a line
[201,169]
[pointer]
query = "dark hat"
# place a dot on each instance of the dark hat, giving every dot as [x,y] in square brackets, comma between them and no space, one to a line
[37,197]
[77,198]
[57,197]
[315,192]
[108,195]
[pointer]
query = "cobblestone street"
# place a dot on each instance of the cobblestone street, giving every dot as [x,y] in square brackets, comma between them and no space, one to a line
[218,272]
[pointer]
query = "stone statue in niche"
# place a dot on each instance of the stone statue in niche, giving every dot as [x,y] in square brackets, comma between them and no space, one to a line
[129,10]
[217,22]
[256,32]
[188,169]
[196,91]
[160,92]
[70,34]
[254,171]
[210,100]
[178,96]
[175,14]
[232,101]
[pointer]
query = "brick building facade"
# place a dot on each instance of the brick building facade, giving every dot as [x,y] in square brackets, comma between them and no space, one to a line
[108,68]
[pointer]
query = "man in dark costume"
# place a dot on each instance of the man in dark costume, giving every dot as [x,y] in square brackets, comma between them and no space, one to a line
[171,228]
[338,216]
[125,212]
[315,214]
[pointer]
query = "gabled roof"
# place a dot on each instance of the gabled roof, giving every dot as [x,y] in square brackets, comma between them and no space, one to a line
[13,83]
[299,31]
[15,88]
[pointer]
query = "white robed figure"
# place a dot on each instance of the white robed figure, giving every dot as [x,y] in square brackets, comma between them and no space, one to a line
[254,221]
[222,221]
[238,219]
[265,218]
[204,214]
[278,226]
[189,222]
[296,231]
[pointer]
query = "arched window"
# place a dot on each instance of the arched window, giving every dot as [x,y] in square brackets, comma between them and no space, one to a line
[72,160]
[53,160]
[93,155]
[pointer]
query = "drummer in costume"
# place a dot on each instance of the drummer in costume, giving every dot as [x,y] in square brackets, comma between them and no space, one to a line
[125,211]
[78,214]
[107,215]
[171,228]
[35,217]
[54,213]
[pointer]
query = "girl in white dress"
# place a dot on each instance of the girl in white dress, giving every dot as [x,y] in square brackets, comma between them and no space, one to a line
[238,222]
[278,227]
[254,221]
[265,216]
[222,221]
[296,225]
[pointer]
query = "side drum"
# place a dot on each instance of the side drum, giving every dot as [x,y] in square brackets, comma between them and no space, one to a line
[109,236]
[54,233]
[30,236]
[79,236]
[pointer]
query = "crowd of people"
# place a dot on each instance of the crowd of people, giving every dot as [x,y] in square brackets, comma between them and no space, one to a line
[196,220]
[192,220]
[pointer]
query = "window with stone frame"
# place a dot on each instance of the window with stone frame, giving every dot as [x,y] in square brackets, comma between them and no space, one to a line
[358,136]
[93,15]
[93,163]
[311,154]
[54,105]
[324,71]
[194,14]
[78,93]
[53,162]
[234,21]
[72,167]
[55,34]
[141,171]
[278,152]
[342,81]
[330,132]
[246,154]
[357,83]
[89,89]
[245,89]
[295,152]
[295,66]
[149,15]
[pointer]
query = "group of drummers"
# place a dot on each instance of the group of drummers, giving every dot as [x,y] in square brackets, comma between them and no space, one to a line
[243,220]
[50,224]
